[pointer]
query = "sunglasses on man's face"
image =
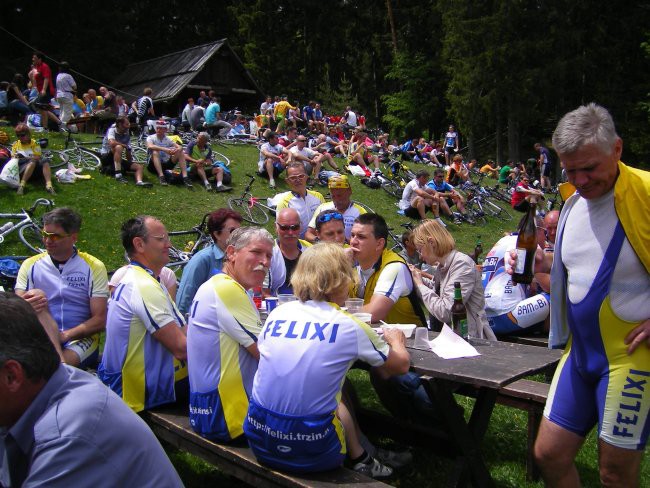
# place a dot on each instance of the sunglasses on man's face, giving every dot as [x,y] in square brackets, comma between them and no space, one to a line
[289,227]
[327,217]
[53,236]
[21,134]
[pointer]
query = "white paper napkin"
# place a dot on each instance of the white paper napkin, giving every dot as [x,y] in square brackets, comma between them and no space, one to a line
[449,345]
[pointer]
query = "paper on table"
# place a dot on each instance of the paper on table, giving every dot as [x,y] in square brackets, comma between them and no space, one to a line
[449,345]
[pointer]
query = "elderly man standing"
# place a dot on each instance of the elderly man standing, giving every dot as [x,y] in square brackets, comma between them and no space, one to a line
[341,193]
[602,312]
[67,289]
[222,337]
[59,425]
[286,252]
[304,201]
[145,350]
[164,154]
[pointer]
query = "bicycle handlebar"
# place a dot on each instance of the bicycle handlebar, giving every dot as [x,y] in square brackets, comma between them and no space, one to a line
[41,201]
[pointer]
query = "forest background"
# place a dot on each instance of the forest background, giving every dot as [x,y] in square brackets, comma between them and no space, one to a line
[503,71]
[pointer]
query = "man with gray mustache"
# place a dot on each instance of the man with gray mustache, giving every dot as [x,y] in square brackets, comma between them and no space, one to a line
[222,353]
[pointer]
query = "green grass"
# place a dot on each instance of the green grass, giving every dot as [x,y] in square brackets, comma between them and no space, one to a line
[105,204]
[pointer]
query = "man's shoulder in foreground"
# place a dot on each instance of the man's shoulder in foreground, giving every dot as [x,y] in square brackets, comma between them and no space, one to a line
[87,432]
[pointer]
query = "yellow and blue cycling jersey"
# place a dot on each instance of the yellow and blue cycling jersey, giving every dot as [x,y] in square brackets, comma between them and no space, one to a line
[597,382]
[223,323]
[134,364]
[306,349]
[69,288]
[305,206]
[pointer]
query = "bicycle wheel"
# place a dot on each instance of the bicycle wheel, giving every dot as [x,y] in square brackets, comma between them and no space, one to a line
[364,206]
[56,158]
[392,188]
[217,156]
[30,235]
[254,214]
[88,159]
[139,154]
[497,211]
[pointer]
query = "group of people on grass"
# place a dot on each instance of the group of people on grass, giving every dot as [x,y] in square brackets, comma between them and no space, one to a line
[280,385]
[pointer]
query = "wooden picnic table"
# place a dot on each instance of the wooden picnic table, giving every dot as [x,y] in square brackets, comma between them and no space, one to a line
[499,364]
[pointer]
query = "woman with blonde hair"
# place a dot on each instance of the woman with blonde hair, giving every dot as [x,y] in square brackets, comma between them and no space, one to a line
[436,245]
[296,420]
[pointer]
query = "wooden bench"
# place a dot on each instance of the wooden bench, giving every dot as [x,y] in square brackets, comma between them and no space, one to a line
[530,396]
[172,425]
[530,340]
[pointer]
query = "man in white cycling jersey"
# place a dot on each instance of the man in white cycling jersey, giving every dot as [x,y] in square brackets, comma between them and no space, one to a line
[67,289]
[511,307]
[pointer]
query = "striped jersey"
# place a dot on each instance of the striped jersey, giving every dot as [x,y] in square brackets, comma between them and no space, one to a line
[134,364]
[68,288]
[223,323]
[305,351]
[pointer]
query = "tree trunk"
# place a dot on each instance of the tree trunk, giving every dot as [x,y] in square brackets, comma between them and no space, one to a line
[513,137]
[391,21]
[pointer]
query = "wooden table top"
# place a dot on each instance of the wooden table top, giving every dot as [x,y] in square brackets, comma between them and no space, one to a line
[500,363]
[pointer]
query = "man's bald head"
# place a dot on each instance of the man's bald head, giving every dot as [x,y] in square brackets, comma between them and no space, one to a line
[550,223]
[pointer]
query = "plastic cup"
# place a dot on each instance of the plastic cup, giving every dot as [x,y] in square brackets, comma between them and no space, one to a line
[354,305]
[286,298]
[271,303]
[421,337]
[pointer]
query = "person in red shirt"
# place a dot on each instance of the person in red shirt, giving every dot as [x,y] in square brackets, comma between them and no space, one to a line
[521,196]
[45,87]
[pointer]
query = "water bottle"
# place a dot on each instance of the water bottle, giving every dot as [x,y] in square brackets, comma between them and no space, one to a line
[6,227]
[189,246]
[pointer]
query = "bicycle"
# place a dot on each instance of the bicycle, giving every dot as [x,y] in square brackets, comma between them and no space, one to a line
[28,226]
[398,246]
[186,243]
[250,207]
[55,158]
[82,157]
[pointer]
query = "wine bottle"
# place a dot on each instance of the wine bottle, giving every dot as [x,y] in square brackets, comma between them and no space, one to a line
[526,247]
[459,313]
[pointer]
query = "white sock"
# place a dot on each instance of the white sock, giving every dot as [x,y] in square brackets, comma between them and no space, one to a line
[219,183]
[271,182]
[118,175]
[439,220]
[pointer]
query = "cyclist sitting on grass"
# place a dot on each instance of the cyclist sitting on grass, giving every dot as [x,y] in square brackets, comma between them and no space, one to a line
[164,154]
[199,152]
[67,289]
[28,153]
[116,147]
[447,195]
[273,158]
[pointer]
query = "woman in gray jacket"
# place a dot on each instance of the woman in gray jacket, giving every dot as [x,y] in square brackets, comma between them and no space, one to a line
[437,246]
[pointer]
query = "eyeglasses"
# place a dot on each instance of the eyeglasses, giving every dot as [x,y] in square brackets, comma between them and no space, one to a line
[53,236]
[164,238]
[327,217]
[296,177]
[288,227]
[21,134]
[301,140]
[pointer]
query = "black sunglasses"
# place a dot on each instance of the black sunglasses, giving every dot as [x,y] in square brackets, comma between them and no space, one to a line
[289,227]
[327,217]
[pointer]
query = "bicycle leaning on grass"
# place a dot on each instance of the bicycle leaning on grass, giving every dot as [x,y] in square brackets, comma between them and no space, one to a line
[186,243]
[249,207]
[28,226]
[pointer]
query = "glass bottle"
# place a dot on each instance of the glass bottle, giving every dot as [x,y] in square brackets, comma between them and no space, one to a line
[526,247]
[459,313]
